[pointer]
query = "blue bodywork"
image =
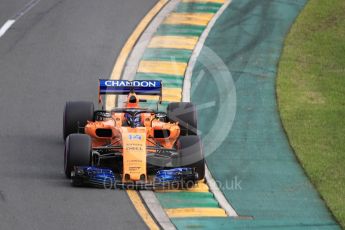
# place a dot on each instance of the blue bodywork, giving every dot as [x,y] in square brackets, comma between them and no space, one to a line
[174,175]
[93,176]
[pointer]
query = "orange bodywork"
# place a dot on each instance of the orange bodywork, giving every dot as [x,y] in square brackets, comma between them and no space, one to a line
[133,140]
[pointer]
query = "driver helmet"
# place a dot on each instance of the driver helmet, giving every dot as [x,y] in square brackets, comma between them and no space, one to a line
[133,120]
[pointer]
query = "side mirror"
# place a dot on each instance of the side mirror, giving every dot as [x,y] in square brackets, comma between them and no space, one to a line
[161,116]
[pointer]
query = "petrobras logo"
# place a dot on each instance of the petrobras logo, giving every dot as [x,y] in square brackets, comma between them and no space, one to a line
[133,137]
[122,83]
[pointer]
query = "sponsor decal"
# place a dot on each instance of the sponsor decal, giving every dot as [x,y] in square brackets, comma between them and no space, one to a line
[149,87]
[134,154]
[122,83]
[134,137]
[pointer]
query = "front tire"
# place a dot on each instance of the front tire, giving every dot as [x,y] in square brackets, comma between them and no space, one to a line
[191,154]
[78,149]
[76,114]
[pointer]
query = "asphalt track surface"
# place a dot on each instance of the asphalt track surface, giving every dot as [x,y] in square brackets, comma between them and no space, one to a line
[55,53]
[8,8]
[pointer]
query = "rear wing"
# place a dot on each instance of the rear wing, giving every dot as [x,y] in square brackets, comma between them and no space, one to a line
[124,87]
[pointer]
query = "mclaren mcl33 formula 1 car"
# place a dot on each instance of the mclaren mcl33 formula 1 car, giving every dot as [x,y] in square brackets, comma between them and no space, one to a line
[132,146]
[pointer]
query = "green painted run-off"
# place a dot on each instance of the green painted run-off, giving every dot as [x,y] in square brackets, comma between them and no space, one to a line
[248,37]
[187,200]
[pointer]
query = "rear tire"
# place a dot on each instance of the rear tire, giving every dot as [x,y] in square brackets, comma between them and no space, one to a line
[76,113]
[78,149]
[185,114]
[191,154]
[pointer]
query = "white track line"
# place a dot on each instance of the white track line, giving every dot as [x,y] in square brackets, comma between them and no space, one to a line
[6,26]
[17,16]
[196,52]
[218,194]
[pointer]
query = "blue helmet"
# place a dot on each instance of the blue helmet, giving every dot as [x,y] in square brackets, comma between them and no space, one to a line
[133,120]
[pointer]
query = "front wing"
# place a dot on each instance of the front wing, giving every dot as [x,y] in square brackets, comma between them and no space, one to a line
[176,178]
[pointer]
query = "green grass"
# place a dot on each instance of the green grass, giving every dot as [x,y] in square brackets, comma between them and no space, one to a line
[311,96]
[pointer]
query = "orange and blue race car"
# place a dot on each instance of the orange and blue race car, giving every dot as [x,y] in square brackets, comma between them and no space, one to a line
[132,146]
